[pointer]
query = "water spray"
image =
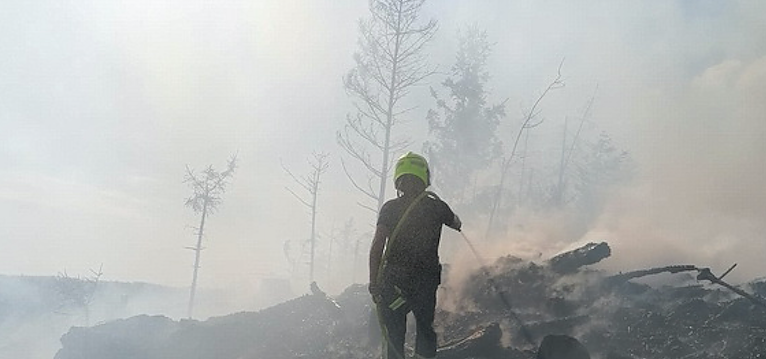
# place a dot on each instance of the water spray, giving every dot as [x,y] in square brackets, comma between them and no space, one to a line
[503,297]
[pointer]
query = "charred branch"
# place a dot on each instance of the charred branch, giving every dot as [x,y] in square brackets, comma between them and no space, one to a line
[624,277]
[706,274]
[571,261]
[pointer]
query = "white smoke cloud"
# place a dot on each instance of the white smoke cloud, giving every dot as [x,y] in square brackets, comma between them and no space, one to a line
[700,197]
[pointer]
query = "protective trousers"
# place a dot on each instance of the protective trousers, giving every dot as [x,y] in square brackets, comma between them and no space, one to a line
[398,300]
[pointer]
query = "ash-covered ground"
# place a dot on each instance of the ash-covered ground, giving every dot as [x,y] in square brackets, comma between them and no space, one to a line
[501,311]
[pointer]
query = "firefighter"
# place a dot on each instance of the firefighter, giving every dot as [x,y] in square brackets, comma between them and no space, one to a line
[405,276]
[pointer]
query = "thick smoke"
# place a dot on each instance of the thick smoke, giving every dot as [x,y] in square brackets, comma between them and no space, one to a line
[686,102]
[700,197]
[104,104]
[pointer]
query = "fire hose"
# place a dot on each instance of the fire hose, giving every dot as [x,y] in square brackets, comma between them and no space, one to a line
[503,297]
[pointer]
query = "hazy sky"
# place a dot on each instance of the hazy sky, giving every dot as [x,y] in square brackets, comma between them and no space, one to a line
[103,103]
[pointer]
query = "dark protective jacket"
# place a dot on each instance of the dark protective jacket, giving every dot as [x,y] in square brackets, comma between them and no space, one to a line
[414,247]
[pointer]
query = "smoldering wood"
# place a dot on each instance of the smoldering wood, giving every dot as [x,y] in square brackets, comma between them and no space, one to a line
[624,277]
[706,274]
[559,346]
[484,342]
[570,262]
[626,321]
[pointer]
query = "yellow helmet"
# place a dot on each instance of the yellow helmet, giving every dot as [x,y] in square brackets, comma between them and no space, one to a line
[413,164]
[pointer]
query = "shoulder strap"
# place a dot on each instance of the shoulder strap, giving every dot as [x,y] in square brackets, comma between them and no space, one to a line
[392,237]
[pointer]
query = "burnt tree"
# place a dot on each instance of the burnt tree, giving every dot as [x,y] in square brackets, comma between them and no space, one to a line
[389,63]
[207,187]
[310,183]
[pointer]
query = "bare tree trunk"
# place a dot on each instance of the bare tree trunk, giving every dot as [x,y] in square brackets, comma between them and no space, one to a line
[207,191]
[329,261]
[310,184]
[506,163]
[356,258]
[390,61]
[313,230]
[558,195]
[197,249]
[390,113]
[520,197]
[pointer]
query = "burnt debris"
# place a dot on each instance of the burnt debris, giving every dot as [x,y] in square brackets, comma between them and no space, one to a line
[560,303]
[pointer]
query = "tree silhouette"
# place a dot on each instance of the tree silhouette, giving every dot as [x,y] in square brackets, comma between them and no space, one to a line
[390,61]
[310,183]
[207,187]
[530,121]
[464,125]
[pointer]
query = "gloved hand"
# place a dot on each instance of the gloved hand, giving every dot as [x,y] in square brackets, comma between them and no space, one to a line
[456,224]
[375,292]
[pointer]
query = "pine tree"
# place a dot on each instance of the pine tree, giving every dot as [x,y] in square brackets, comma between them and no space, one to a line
[464,125]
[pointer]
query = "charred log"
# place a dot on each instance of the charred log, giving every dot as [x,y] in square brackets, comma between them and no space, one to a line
[624,277]
[570,262]
[560,325]
[561,347]
[634,321]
